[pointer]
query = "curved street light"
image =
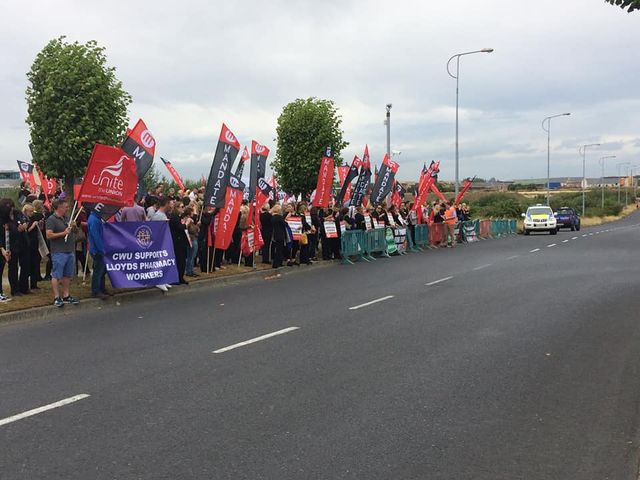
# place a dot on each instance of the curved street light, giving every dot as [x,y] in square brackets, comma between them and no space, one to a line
[456,77]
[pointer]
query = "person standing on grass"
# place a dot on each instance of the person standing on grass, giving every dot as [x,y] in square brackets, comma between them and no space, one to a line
[61,232]
[33,233]
[96,250]
[450,220]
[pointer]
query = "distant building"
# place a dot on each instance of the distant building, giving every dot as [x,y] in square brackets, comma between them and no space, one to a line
[9,179]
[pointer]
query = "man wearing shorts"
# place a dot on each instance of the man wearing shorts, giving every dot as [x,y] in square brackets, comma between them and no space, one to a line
[62,239]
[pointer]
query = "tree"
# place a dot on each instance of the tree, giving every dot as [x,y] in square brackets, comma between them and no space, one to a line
[74,101]
[305,129]
[630,5]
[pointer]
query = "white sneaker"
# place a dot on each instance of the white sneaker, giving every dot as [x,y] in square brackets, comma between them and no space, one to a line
[168,285]
[163,288]
[4,299]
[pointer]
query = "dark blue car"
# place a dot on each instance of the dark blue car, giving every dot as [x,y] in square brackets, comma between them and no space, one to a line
[567,218]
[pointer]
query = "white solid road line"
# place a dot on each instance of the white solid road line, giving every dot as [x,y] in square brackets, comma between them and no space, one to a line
[438,281]
[257,339]
[38,410]
[534,250]
[551,245]
[482,266]
[371,302]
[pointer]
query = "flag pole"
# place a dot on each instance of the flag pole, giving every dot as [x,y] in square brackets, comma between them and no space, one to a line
[73,211]
[86,265]
[214,257]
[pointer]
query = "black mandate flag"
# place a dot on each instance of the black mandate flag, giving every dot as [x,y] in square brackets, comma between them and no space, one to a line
[226,152]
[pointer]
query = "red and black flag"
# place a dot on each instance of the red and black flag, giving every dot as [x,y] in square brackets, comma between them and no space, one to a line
[140,144]
[259,154]
[385,180]
[228,216]
[243,158]
[362,184]
[351,174]
[398,195]
[27,174]
[226,152]
[325,180]
[173,173]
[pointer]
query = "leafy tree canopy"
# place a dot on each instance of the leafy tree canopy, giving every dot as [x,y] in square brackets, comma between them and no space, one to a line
[305,129]
[629,5]
[74,101]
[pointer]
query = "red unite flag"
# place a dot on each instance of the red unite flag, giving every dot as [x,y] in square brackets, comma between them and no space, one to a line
[110,178]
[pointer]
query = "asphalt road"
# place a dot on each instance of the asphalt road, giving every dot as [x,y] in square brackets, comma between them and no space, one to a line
[521,362]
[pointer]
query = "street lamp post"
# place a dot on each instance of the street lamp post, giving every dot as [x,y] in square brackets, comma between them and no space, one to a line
[584,172]
[456,77]
[548,130]
[618,167]
[388,124]
[601,161]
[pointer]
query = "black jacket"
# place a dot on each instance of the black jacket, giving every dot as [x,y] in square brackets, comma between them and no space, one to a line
[178,233]
[279,228]
[265,224]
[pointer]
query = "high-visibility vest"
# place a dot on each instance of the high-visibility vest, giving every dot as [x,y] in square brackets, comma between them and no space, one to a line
[450,216]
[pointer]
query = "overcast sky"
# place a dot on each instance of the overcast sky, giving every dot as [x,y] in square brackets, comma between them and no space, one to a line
[192,64]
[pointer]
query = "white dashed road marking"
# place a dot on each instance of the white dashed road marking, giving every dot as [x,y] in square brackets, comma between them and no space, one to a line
[438,281]
[535,250]
[257,339]
[552,245]
[44,408]
[371,302]
[482,266]
[574,238]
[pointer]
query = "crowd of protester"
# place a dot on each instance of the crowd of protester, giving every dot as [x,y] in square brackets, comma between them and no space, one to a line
[39,231]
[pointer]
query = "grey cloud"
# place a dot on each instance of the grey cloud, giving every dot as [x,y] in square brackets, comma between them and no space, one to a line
[192,65]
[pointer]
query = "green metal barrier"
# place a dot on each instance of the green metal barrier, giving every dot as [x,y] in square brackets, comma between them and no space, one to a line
[353,244]
[376,242]
[422,235]
[513,227]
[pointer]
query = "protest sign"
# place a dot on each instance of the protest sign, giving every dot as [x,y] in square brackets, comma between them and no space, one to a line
[139,254]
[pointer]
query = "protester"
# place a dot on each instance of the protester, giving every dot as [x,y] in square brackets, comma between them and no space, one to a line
[244,223]
[151,205]
[178,223]
[279,235]
[450,220]
[81,239]
[61,232]
[266,230]
[33,241]
[193,230]
[315,231]
[205,234]
[135,213]
[159,214]
[96,250]
[359,220]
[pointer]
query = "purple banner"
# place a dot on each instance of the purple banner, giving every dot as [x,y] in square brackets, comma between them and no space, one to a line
[139,254]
